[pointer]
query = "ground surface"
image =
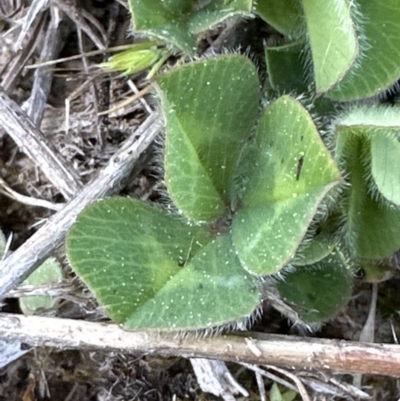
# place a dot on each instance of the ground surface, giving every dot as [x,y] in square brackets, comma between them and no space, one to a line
[86,141]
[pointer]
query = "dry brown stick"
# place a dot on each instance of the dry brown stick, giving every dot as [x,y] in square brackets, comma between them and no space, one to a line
[19,59]
[33,143]
[215,378]
[52,45]
[35,10]
[27,200]
[16,267]
[331,356]
[92,88]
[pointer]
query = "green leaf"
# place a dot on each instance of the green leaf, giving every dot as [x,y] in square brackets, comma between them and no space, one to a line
[381,124]
[178,21]
[209,107]
[166,20]
[366,120]
[372,228]
[314,250]
[125,251]
[289,395]
[211,290]
[292,172]
[318,291]
[217,11]
[378,65]
[288,73]
[385,165]
[284,15]
[372,224]
[333,40]
[47,273]
[285,68]
[276,395]
[321,237]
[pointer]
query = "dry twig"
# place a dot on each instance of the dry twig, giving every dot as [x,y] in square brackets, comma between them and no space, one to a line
[27,200]
[19,59]
[214,377]
[34,12]
[330,356]
[43,77]
[32,142]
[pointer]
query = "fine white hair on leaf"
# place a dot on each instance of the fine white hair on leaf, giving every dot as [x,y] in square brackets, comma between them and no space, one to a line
[242,324]
[363,41]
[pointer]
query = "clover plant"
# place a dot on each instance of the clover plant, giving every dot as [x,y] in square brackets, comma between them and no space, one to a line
[280,179]
[48,272]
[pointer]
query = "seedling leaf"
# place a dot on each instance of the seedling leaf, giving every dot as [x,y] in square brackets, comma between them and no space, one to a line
[378,64]
[385,165]
[209,107]
[284,15]
[292,173]
[217,11]
[367,148]
[285,68]
[276,395]
[125,251]
[212,290]
[137,58]
[47,273]
[372,226]
[334,44]
[166,20]
[313,250]
[376,229]
[318,291]
[178,21]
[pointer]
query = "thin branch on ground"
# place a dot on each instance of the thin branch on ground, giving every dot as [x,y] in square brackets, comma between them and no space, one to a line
[215,378]
[34,144]
[19,59]
[43,77]
[27,200]
[330,356]
[35,10]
